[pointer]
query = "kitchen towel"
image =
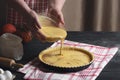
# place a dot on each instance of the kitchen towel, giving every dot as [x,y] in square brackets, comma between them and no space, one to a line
[35,71]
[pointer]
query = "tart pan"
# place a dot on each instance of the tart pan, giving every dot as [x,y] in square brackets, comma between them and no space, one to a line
[63,68]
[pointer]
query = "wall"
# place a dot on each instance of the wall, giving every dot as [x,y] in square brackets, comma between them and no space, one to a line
[73,12]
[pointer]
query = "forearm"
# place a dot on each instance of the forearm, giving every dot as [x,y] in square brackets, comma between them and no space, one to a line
[20,6]
[58,4]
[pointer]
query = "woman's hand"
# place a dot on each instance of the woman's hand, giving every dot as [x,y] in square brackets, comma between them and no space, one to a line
[32,21]
[55,11]
[57,15]
[33,25]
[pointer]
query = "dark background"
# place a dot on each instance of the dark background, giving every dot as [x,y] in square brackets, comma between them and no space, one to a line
[3,10]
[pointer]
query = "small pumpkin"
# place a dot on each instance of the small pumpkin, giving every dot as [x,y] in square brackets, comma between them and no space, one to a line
[25,35]
[8,28]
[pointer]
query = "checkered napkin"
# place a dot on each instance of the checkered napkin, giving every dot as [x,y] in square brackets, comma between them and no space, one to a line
[35,71]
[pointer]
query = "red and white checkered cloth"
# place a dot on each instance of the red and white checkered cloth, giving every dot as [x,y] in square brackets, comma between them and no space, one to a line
[40,6]
[102,56]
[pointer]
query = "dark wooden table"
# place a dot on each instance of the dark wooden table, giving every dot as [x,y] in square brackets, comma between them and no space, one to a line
[106,39]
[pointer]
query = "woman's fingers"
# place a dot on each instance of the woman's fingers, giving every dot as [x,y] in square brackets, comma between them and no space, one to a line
[57,15]
[37,34]
[34,19]
[61,18]
[33,24]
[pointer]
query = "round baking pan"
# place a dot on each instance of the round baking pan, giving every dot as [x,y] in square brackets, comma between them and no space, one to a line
[63,68]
